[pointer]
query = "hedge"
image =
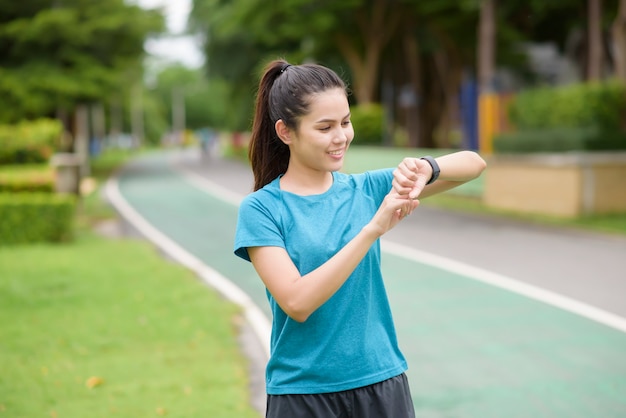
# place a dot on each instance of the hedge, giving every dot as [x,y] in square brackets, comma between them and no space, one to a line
[34,180]
[559,140]
[368,122]
[582,105]
[29,142]
[36,217]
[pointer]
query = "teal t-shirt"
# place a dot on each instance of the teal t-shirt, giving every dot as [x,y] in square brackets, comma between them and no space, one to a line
[350,341]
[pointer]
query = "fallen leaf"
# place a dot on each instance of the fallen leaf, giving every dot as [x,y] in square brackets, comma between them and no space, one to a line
[94,381]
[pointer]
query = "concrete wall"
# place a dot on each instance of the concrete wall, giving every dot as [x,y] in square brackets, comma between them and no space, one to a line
[569,184]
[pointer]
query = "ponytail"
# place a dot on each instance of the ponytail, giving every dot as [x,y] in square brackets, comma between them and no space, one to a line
[268,155]
[283,94]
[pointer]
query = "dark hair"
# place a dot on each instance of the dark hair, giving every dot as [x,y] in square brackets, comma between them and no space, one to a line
[284,93]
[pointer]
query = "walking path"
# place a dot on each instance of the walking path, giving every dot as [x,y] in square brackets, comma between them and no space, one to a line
[496,318]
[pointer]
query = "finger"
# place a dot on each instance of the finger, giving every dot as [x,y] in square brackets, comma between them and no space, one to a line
[419,185]
[409,171]
[400,189]
[414,204]
[404,177]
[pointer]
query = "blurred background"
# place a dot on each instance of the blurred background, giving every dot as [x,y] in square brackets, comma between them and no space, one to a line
[536,87]
[515,77]
[444,74]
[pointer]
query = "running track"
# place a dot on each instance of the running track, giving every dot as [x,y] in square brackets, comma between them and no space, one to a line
[492,324]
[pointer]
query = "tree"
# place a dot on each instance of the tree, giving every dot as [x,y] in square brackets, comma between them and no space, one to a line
[595,44]
[358,31]
[418,50]
[619,41]
[53,57]
[486,46]
[203,99]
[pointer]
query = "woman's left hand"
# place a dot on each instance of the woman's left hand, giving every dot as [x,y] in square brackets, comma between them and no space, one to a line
[411,176]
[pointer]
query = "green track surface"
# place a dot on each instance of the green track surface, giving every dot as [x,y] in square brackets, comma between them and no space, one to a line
[474,350]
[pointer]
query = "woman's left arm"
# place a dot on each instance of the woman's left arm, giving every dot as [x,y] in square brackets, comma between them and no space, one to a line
[412,174]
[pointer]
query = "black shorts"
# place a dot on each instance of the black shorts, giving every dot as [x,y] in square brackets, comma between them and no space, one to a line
[388,399]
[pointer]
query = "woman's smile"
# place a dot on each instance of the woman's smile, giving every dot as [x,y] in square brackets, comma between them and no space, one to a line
[337,153]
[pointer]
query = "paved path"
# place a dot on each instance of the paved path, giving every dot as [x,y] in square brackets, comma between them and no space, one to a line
[496,318]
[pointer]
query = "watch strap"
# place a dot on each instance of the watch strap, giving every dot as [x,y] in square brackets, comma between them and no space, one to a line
[433,163]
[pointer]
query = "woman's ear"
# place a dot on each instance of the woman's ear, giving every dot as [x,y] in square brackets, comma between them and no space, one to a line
[283,132]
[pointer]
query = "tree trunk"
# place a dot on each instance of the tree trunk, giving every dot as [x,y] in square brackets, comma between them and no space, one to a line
[412,110]
[377,25]
[486,46]
[364,68]
[431,103]
[619,41]
[450,78]
[136,116]
[594,56]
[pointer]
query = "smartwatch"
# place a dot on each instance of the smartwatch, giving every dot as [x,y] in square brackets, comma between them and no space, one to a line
[435,167]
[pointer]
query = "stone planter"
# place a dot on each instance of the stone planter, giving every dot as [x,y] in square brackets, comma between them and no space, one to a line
[563,184]
[67,170]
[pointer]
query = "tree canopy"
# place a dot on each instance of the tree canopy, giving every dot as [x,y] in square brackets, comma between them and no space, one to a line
[56,54]
[421,50]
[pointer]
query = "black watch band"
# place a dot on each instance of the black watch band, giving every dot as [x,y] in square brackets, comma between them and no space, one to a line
[435,167]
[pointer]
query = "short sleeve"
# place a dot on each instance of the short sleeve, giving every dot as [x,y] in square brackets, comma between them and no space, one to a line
[257,225]
[378,183]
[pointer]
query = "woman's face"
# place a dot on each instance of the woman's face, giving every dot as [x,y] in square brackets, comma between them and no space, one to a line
[324,134]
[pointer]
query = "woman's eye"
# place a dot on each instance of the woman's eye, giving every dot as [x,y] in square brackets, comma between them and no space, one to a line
[325,128]
[345,123]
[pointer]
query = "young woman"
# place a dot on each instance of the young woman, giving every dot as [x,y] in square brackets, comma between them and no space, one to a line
[312,234]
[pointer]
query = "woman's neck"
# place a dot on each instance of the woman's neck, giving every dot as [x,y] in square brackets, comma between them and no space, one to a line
[306,184]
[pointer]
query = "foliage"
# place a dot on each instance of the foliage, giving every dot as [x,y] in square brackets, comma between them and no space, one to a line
[36,217]
[29,142]
[76,51]
[26,178]
[428,46]
[154,118]
[367,121]
[205,101]
[559,140]
[105,164]
[601,105]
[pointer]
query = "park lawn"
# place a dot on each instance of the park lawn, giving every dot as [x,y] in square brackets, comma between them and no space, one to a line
[101,327]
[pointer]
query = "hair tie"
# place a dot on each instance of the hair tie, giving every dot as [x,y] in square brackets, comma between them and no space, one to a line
[284,68]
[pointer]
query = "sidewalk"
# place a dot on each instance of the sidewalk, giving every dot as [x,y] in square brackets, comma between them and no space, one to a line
[475,348]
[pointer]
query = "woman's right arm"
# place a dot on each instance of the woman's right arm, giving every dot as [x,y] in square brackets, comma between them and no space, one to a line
[299,296]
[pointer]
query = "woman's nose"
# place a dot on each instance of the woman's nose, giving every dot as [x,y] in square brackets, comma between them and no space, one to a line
[340,136]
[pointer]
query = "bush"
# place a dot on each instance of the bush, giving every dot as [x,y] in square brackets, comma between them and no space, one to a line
[36,217]
[29,141]
[599,105]
[20,178]
[559,140]
[368,122]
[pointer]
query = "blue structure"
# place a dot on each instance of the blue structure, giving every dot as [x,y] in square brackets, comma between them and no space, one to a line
[469,113]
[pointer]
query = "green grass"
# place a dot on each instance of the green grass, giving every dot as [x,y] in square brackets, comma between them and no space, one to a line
[110,160]
[467,197]
[107,327]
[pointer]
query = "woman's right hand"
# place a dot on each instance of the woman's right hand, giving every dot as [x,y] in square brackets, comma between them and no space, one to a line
[391,211]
